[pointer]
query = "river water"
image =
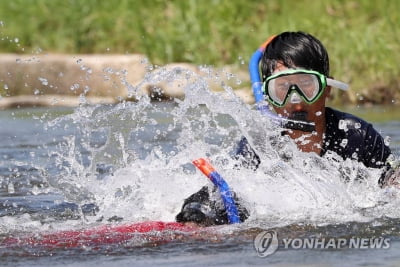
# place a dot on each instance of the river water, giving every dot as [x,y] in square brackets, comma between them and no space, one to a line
[75,168]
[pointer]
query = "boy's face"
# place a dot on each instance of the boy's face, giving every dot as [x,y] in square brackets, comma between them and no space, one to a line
[313,111]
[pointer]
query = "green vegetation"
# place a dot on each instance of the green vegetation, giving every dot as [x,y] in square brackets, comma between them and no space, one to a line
[362,37]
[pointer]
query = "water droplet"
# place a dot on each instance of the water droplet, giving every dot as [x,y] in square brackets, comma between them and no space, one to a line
[387,140]
[344,143]
[144,61]
[35,190]
[343,125]
[16,40]
[5,87]
[230,76]
[74,86]
[43,81]
[36,92]
[108,70]
[10,188]
[82,99]
[38,51]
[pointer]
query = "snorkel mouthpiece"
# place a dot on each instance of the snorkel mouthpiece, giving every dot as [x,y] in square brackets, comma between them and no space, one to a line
[298,121]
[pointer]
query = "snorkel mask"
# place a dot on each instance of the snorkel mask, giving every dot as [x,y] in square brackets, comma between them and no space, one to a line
[308,84]
[298,84]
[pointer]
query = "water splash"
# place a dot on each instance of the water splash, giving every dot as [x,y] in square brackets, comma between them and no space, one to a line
[133,160]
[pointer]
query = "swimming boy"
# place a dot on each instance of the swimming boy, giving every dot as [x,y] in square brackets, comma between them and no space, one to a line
[296,82]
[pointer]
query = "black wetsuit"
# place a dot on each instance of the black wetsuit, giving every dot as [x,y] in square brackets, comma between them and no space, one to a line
[346,135]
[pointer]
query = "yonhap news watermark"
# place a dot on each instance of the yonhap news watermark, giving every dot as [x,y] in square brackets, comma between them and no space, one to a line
[267,243]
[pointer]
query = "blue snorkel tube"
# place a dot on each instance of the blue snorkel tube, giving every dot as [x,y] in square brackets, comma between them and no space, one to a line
[262,106]
[226,194]
[255,78]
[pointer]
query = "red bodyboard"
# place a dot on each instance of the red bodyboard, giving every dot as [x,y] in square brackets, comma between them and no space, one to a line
[102,235]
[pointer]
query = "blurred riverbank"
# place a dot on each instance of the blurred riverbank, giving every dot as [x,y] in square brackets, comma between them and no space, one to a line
[64,80]
[95,47]
[69,80]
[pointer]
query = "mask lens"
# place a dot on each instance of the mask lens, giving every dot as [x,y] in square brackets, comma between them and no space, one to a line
[278,90]
[307,83]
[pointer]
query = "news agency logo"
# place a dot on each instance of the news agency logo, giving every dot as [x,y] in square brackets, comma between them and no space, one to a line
[267,243]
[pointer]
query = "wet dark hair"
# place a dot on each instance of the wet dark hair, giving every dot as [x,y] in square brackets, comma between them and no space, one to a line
[295,49]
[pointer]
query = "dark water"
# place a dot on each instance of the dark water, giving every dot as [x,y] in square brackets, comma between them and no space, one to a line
[73,168]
